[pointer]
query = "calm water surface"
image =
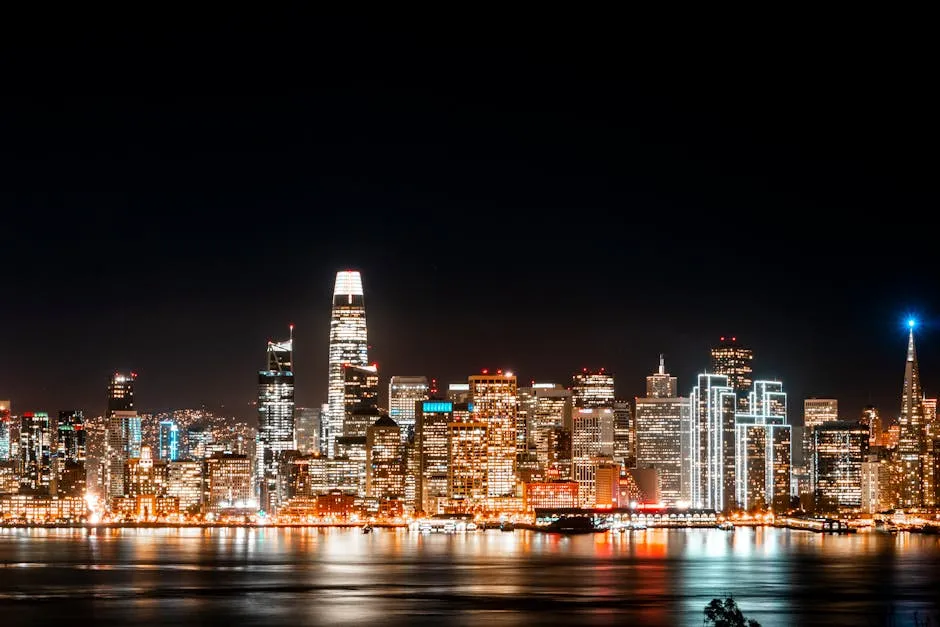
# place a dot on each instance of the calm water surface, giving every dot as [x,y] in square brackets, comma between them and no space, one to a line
[304,577]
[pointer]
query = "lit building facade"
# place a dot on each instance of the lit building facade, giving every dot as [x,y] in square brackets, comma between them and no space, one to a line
[659,422]
[467,452]
[762,450]
[432,421]
[816,411]
[275,419]
[229,483]
[872,418]
[592,388]
[911,459]
[547,406]
[550,495]
[384,464]
[124,434]
[349,345]
[403,395]
[494,398]
[711,443]
[307,429]
[733,360]
[35,452]
[184,482]
[839,448]
[69,455]
[624,434]
[592,444]
[168,446]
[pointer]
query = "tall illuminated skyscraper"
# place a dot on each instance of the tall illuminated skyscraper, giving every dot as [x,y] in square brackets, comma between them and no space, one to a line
[592,388]
[711,452]
[36,452]
[762,450]
[592,445]
[124,432]
[348,345]
[275,418]
[734,361]
[495,401]
[168,445]
[816,411]
[659,421]
[403,395]
[912,437]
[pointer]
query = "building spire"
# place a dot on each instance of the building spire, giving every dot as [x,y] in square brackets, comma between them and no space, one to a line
[912,438]
[662,365]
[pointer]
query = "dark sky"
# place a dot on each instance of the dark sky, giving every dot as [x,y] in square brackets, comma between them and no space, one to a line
[539,196]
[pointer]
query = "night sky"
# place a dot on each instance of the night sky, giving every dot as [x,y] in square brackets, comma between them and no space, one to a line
[527,197]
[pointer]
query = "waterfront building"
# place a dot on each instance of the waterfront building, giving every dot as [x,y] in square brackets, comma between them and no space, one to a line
[35,452]
[229,484]
[607,485]
[816,411]
[384,464]
[184,482]
[275,419]
[592,444]
[404,393]
[69,453]
[467,471]
[733,360]
[874,497]
[562,494]
[432,421]
[762,450]
[494,398]
[624,434]
[839,449]
[659,442]
[143,476]
[711,443]
[592,388]
[348,346]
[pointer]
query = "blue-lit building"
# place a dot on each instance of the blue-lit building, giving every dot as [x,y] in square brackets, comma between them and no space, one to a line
[169,444]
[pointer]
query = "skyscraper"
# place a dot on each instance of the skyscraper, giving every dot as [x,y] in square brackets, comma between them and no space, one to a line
[275,418]
[168,445]
[307,429]
[592,388]
[384,464]
[403,395]
[35,452]
[734,361]
[816,411]
[124,433]
[360,400]
[494,404]
[659,423]
[711,452]
[839,449]
[69,454]
[762,450]
[348,345]
[912,437]
[592,445]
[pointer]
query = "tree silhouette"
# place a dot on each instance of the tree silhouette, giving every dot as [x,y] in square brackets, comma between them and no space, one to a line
[726,613]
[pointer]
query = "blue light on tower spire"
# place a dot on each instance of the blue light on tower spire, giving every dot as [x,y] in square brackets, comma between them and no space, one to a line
[911,323]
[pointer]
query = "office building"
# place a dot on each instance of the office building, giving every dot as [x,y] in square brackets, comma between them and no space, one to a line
[494,398]
[35,452]
[229,484]
[432,421]
[816,411]
[123,431]
[403,395]
[184,482]
[592,444]
[762,450]
[911,458]
[733,360]
[168,444]
[871,417]
[275,419]
[384,464]
[624,434]
[592,388]
[307,429]
[545,406]
[348,346]
[839,448]
[659,423]
[711,443]
[458,392]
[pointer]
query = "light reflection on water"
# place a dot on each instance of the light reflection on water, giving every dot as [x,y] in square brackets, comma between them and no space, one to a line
[239,576]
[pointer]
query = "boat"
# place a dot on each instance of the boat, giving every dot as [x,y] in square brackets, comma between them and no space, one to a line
[726,525]
[506,526]
[574,524]
[367,528]
[638,526]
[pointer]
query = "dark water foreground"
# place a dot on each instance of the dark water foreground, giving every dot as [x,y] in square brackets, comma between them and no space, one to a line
[297,577]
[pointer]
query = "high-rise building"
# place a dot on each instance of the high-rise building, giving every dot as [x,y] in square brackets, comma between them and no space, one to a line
[229,484]
[467,453]
[185,482]
[762,450]
[592,388]
[494,398]
[69,454]
[816,411]
[168,443]
[624,434]
[35,452]
[659,424]
[458,392]
[545,406]
[911,458]
[307,429]
[6,429]
[733,360]
[124,433]
[403,395]
[275,419]
[592,444]
[432,429]
[839,449]
[930,419]
[872,419]
[711,443]
[349,345]
[143,476]
[384,464]
[361,399]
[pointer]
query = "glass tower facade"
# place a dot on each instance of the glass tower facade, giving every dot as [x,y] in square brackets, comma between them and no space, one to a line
[495,402]
[732,360]
[659,421]
[348,346]
[592,388]
[275,418]
[762,450]
[403,396]
[711,443]
[169,441]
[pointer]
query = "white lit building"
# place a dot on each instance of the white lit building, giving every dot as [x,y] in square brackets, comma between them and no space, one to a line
[348,346]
